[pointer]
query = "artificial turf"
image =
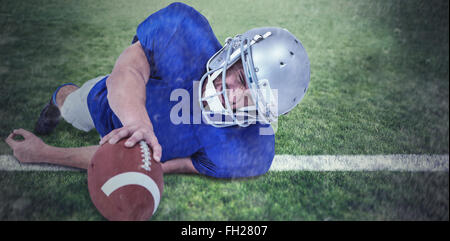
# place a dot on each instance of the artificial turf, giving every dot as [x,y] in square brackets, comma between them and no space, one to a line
[379,85]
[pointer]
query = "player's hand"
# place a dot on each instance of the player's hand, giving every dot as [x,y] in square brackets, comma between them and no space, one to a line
[28,150]
[136,132]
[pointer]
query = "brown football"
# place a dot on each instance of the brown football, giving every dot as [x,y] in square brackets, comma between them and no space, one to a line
[125,183]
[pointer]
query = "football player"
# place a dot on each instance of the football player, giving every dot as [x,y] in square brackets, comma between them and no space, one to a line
[250,81]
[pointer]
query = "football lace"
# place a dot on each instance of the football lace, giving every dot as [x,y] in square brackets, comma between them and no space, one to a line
[145,154]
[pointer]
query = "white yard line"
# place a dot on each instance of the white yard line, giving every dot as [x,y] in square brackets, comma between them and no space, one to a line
[408,162]
[10,163]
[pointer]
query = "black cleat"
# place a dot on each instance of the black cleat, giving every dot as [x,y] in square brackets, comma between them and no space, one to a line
[50,115]
[48,119]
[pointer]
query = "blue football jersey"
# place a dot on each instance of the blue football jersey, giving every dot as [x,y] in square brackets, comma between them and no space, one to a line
[178,41]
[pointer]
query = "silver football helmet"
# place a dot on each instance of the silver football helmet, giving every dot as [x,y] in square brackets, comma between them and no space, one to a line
[277,72]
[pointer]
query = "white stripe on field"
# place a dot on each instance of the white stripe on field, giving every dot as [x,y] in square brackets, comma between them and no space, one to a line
[10,163]
[408,162]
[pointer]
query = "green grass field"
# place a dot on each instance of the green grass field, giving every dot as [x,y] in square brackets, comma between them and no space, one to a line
[379,85]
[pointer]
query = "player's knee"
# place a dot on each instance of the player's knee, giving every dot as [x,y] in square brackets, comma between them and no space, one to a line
[63,93]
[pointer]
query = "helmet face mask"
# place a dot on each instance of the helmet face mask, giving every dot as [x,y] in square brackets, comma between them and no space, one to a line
[263,69]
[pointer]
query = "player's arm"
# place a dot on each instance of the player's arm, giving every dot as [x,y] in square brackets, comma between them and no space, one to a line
[127,96]
[179,165]
[33,150]
[126,85]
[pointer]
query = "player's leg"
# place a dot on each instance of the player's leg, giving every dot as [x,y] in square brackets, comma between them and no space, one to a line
[69,102]
[51,114]
[62,94]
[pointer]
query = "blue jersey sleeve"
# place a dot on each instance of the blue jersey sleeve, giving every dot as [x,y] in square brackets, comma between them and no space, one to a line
[176,41]
[155,31]
[235,153]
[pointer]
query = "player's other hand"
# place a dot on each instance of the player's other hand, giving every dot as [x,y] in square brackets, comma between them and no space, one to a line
[29,150]
[135,132]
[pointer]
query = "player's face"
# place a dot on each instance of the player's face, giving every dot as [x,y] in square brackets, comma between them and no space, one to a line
[236,87]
